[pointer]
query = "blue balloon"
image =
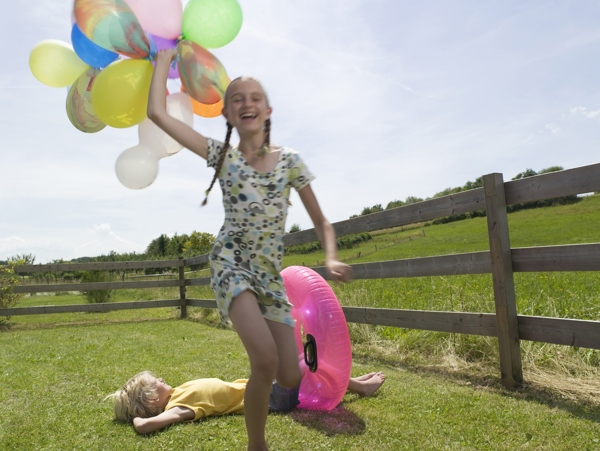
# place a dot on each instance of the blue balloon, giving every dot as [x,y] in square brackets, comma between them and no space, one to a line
[90,53]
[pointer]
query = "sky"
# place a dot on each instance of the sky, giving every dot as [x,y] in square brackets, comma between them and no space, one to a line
[383,99]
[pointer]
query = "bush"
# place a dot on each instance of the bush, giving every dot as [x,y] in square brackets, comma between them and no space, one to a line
[345,242]
[349,241]
[8,280]
[459,217]
[295,228]
[566,200]
[96,296]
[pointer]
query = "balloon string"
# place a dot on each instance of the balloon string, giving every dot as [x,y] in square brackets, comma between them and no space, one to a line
[89,86]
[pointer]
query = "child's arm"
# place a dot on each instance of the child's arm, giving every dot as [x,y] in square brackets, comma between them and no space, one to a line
[336,269]
[157,108]
[162,420]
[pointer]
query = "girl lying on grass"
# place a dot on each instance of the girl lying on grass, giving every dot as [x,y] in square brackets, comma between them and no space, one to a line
[150,404]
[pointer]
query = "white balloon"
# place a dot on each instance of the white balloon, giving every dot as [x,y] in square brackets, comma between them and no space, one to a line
[137,167]
[179,106]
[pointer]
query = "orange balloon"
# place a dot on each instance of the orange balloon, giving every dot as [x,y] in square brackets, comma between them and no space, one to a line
[204,110]
[201,109]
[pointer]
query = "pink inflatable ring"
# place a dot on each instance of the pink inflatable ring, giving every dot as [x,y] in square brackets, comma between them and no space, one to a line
[327,351]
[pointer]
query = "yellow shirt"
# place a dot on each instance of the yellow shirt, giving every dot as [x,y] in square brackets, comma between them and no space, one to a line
[207,397]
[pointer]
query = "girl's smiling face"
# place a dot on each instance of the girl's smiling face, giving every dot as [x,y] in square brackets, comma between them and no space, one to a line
[246,105]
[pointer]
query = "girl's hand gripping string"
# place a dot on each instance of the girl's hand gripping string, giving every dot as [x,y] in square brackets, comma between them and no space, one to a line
[165,57]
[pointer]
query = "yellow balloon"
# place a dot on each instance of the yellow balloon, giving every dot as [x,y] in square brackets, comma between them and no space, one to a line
[120,92]
[55,63]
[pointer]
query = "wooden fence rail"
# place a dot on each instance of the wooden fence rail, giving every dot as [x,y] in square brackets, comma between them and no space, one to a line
[501,261]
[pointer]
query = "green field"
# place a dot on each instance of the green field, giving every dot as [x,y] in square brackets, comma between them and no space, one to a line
[442,391]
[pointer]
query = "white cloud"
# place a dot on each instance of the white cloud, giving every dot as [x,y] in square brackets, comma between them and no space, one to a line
[103,237]
[582,111]
[12,244]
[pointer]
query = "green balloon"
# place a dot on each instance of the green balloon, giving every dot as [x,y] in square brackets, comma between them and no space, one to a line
[211,23]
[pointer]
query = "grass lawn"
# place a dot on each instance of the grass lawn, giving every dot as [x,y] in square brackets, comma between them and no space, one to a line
[54,380]
[442,390]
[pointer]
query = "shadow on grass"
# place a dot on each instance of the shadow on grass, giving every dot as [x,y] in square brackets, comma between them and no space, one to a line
[340,421]
[585,407]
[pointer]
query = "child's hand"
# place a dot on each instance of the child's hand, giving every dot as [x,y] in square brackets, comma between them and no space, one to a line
[339,271]
[165,56]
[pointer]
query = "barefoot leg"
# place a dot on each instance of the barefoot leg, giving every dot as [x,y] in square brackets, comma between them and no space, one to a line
[366,385]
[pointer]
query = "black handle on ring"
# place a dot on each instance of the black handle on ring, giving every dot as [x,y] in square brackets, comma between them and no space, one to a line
[311,347]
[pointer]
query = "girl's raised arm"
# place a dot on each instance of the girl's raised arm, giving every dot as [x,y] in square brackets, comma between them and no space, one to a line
[157,108]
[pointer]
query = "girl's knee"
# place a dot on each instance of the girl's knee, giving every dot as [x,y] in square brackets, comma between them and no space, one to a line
[265,366]
[290,378]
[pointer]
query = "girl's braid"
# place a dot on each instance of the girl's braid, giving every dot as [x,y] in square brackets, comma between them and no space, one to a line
[220,162]
[267,131]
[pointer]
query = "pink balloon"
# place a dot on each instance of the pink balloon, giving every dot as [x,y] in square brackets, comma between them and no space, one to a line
[159,17]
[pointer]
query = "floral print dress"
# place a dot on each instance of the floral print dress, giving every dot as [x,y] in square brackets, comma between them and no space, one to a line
[248,251]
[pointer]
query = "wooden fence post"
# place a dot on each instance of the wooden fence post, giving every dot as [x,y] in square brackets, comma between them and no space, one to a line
[183,303]
[504,286]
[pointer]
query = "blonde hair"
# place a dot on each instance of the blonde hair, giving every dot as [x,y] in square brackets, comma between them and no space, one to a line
[245,78]
[136,398]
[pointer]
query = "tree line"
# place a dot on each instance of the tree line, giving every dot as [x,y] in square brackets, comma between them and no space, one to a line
[160,248]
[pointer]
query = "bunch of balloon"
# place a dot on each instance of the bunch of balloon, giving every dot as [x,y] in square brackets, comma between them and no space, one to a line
[108,69]
[206,24]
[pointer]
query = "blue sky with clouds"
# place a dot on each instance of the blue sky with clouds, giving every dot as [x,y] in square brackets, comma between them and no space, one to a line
[383,99]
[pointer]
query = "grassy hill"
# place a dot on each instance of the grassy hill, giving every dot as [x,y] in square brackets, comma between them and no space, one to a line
[569,224]
[562,224]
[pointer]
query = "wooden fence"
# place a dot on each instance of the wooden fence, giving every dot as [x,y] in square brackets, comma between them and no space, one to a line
[501,261]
